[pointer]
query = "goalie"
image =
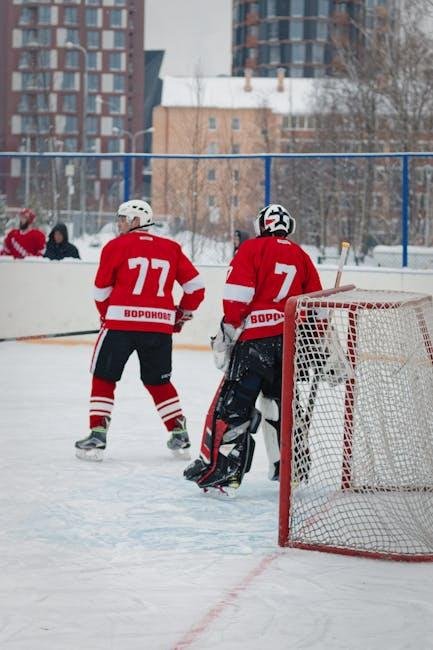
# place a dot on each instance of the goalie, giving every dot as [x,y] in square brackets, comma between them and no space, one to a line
[264,273]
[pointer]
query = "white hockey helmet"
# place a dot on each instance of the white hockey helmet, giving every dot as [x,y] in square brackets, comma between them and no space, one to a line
[136,208]
[274,218]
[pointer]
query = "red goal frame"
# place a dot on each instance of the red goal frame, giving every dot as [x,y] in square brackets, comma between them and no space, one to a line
[288,395]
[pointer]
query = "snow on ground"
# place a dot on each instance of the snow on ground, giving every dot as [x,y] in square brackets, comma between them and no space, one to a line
[126,555]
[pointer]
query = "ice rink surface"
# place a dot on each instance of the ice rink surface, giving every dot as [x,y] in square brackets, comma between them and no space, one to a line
[126,555]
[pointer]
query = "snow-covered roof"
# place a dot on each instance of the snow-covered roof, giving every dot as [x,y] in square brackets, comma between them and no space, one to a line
[297,98]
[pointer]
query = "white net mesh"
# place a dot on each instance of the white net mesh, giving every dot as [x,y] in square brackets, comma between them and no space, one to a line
[362,444]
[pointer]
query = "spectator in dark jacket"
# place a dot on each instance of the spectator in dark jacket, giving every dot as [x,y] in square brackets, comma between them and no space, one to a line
[58,245]
[238,237]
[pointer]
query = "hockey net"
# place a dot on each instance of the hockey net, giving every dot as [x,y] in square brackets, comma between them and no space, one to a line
[357,424]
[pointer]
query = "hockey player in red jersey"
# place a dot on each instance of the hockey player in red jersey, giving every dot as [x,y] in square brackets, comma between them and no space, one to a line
[133,293]
[24,241]
[263,274]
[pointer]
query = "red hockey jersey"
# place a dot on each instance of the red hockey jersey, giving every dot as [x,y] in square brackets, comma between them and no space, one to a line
[21,244]
[134,282]
[263,274]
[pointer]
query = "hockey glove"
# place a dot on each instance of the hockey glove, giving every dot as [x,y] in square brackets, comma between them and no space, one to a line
[222,344]
[182,316]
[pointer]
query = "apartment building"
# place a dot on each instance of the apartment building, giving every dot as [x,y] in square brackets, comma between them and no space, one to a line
[303,36]
[71,79]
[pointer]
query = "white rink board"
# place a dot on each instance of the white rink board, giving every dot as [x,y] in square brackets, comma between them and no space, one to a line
[39,296]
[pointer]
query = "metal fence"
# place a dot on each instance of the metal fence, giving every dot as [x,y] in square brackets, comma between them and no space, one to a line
[381,202]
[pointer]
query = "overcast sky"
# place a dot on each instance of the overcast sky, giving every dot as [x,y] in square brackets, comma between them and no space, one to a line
[193,33]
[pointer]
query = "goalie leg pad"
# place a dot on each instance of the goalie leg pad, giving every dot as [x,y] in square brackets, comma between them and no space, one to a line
[271,413]
[231,455]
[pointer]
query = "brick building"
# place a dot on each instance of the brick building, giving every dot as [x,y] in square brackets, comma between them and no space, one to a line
[44,105]
[224,115]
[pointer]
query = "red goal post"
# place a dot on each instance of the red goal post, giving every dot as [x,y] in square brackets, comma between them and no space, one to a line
[356,473]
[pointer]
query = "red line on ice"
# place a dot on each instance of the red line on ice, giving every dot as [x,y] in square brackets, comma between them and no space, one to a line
[188,639]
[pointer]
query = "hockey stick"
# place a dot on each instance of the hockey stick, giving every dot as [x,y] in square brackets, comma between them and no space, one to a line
[47,336]
[306,413]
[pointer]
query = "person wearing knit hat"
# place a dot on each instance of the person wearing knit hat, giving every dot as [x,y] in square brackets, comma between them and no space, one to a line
[25,240]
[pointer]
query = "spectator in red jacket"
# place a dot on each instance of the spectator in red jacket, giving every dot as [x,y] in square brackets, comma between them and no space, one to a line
[25,240]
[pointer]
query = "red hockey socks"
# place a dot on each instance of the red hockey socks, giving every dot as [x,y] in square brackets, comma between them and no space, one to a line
[167,403]
[101,402]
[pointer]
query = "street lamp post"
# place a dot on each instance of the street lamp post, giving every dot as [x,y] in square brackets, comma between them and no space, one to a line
[76,46]
[133,140]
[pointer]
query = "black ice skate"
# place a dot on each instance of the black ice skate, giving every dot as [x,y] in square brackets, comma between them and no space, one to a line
[92,447]
[179,442]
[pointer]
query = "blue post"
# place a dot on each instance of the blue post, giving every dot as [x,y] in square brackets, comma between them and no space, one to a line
[126,177]
[405,209]
[268,168]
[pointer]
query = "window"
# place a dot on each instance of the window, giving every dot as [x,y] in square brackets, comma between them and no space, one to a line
[93,2]
[236,148]
[42,103]
[117,168]
[72,59]
[30,36]
[44,59]
[40,80]
[69,103]
[212,147]
[271,8]
[116,18]
[119,39]
[72,36]
[273,30]
[211,201]
[68,81]
[318,53]
[93,40]
[298,53]
[92,61]
[28,124]
[24,103]
[113,145]
[322,32]
[91,144]
[297,7]
[296,30]
[118,82]
[323,9]
[71,124]
[93,81]
[113,102]
[211,174]
[92,17]
[91,103]
[274,54]
[236,175]
[91,124]
[118,123]
[70,144]
[212,123]
[114,61]
[236,123]
[44,15]
[43,122]
[27,16]
[25,60]
[71,16]
[235,201]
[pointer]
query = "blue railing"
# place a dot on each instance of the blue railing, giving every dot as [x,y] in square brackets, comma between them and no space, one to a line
[267,159]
